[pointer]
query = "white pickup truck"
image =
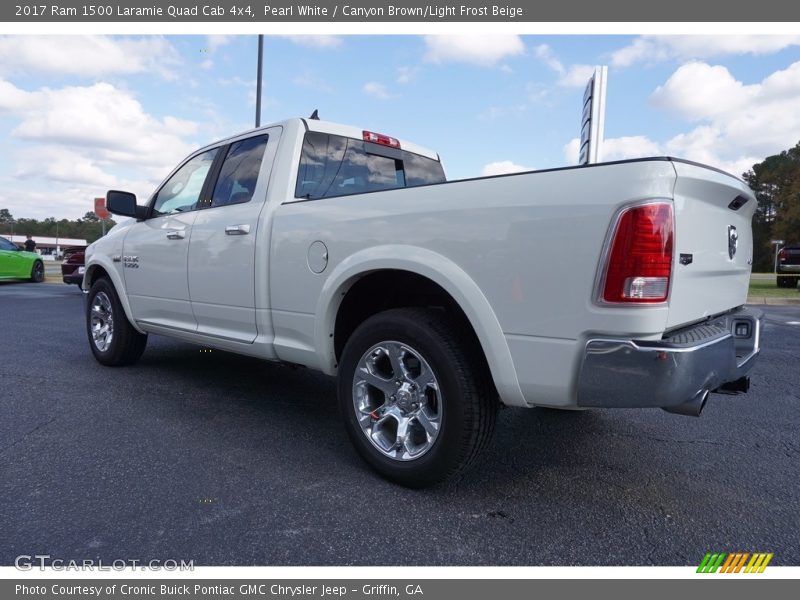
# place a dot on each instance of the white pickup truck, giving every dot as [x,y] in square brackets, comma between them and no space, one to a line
[611,285]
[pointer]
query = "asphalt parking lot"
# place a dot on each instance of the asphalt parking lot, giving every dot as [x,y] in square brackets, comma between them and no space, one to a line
[226,460]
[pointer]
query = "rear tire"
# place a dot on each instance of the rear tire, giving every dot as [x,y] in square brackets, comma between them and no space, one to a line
[416,396]
[113,340]
[787,282]
[37,272]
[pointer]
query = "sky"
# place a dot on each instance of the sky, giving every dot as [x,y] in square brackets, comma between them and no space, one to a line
[83,114]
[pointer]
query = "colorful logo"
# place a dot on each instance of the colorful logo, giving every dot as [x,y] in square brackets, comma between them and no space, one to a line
[735,562]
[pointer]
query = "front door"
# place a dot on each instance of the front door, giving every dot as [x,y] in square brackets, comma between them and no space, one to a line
[156,250]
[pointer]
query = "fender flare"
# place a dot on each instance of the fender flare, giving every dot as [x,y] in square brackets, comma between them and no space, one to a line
[99,260]
[442,271]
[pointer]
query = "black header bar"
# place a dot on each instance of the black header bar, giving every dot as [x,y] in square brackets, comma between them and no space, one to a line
[399,11]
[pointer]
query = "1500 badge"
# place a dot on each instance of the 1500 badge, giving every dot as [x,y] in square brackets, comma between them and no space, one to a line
[130,262]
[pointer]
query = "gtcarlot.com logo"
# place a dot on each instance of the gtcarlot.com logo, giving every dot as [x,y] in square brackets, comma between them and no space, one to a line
[734,562]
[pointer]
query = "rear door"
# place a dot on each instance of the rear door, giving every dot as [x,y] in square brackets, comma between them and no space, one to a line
[225,234]
[713,243]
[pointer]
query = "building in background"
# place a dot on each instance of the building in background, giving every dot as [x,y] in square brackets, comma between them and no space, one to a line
[50,248]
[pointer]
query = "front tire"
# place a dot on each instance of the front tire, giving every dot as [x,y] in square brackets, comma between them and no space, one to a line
[37,272]
[416,396]
[113,340]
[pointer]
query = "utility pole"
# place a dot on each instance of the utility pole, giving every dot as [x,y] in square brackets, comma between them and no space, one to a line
[258,79]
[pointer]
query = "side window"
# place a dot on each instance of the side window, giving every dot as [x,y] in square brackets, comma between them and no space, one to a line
[239,173]
[181,192]
[6,245]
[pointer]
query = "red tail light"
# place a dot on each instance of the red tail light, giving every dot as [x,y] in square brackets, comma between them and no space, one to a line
[782,255]
[379,138]
[639,264]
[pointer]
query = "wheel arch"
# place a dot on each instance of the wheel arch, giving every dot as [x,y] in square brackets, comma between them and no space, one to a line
[101,268]
[436,274]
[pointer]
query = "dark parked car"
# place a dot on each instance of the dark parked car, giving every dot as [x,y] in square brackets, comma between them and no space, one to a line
[72,268]
[788,267]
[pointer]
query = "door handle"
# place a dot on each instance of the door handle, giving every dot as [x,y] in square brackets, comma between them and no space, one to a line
[237,230]
[176,235]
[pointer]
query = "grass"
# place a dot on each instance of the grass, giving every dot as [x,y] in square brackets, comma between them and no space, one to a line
[763,285]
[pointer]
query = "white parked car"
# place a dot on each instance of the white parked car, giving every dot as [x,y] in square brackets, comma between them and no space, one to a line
[611,285]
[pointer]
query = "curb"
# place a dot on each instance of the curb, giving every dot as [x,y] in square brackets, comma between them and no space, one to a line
[773,301]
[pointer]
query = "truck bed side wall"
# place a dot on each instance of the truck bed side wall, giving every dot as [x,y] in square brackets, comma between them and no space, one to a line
[529,243]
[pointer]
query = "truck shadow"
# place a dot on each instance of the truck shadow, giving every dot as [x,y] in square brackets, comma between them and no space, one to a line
[302,404]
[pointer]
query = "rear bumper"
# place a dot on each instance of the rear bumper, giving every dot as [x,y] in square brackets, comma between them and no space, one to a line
[72,274]
[682,367]
[792,269]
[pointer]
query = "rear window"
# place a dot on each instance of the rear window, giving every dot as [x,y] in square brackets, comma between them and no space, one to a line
[332,165]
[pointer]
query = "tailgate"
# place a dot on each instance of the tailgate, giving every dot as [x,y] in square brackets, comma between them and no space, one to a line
[713,244]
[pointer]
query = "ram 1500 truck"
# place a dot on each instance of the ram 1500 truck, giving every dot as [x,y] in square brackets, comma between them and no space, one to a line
[612,285]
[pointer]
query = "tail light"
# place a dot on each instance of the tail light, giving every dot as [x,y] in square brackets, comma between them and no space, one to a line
[639,264]
[782,255]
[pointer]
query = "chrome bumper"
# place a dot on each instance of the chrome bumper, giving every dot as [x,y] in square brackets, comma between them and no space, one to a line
[679,369]
[791,269]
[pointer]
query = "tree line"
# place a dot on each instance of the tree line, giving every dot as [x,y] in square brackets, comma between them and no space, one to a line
[776,182]
[87,227]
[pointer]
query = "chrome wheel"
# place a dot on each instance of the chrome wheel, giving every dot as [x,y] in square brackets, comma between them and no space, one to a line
[397,400]
[102,321]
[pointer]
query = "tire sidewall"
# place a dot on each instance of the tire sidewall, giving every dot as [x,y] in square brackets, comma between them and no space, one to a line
[37,271]
[437,462]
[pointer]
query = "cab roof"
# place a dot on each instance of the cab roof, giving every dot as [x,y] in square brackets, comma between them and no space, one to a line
[337,129]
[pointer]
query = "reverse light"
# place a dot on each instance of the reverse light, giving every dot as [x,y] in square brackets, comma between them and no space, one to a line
[639,264]
[379,138]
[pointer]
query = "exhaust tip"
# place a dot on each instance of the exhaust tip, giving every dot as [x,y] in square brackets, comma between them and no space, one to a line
[692,408]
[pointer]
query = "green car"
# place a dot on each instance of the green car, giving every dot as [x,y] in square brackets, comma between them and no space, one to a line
[18,264]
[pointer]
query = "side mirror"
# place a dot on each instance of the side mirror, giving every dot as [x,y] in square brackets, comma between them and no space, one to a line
[121,203]
[124,203]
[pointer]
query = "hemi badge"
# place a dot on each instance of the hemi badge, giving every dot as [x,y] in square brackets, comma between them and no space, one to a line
[686,259]
[116,258]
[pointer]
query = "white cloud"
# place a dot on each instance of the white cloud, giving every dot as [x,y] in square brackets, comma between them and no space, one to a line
[102,117]
[502,167]
[736,122]
[376,90]
[576,75]
[481,50]
[88,55]
[215,42]
[546,54]
[84,139]
[736,125]
[316,41]
[308,79]
[700,91]
[621,148]
[61,165]
[655,48]
[406,74]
